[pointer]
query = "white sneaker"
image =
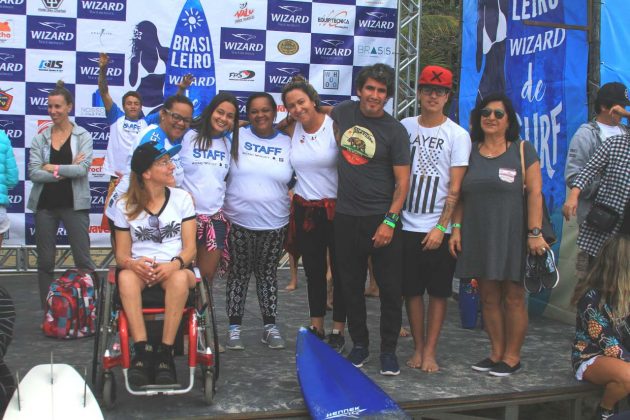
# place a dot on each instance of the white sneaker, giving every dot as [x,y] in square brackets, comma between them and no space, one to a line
[271,337]
[234,341]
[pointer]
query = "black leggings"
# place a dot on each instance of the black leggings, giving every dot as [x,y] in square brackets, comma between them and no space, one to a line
[256,251]
[313,246]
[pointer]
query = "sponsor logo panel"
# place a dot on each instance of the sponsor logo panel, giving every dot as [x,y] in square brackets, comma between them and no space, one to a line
[331,49]
[333,100]
[12,31]
[13,125]
[336,19]
[12,64]
[96,172]
[370,50]
[87,69]
[51,33]
[14,7]
[49,7]
[245,12]
[98,128]
[278,74]
[332,79]
[37,97]
[102,9]
[242,44]
[16,198]
[98,194]
[379,22]
[29,233]
[289,16]
[12,96]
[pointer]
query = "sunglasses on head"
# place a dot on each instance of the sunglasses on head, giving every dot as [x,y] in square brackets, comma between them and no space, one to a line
[430,90]
[177,117]
[498,113]
[154,222]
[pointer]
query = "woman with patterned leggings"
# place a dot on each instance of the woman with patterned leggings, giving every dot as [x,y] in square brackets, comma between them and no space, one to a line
[257,205]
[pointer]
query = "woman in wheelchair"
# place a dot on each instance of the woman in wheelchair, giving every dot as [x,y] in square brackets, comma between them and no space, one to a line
[155,241]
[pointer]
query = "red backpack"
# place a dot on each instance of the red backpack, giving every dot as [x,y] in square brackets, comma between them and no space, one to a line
[71,306]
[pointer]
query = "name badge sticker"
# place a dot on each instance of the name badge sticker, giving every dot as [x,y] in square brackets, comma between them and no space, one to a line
[507,175]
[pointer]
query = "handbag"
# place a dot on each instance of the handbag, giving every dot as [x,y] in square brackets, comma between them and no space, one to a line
[549,235]
[602,217]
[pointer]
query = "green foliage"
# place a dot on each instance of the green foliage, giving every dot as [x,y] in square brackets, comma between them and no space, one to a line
[440,41]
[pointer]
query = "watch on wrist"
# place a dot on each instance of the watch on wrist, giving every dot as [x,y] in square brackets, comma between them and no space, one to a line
[394,216]
[535,231]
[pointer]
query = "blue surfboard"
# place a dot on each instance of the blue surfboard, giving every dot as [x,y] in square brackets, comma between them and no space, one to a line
[333,388]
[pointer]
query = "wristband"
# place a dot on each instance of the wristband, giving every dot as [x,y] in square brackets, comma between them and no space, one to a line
[389,223]
[181,262]
[394,217]
[56,171]
[440,228]
[456,225]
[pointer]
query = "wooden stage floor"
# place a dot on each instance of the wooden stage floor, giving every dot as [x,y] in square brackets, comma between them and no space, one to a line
[261,383]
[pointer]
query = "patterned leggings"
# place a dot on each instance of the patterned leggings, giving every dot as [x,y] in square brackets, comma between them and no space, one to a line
[256,251]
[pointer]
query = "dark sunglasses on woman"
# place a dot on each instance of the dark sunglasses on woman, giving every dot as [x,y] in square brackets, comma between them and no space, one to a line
[498,114]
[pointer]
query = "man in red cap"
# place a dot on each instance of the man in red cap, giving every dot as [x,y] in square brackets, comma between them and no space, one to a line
[439,157]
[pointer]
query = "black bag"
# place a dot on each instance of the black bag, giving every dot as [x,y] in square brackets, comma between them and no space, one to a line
[602,217]
[549,235]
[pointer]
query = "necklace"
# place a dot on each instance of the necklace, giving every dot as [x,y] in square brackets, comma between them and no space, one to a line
[492,154]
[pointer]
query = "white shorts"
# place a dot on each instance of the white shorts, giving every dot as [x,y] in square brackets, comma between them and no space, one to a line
[579,374]
[4,220]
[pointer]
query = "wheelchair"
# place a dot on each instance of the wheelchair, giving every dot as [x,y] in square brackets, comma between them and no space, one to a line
[112,346]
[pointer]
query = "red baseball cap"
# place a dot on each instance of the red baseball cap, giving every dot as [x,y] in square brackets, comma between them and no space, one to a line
[436,76]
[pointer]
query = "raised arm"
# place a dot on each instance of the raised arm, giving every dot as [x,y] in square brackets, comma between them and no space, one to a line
[103,88]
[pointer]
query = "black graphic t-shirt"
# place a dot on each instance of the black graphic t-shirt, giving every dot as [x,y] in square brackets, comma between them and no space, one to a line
[370,147]
[157,235]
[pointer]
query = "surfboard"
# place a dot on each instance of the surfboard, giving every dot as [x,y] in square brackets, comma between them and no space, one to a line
[53,391]
[334,389]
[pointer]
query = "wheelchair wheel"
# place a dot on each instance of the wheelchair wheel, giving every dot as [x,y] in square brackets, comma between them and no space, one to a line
[102,334]
[208,385]
[211,336]
[109,390]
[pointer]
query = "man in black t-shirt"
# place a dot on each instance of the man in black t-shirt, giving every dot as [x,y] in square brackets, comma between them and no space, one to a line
[373,169]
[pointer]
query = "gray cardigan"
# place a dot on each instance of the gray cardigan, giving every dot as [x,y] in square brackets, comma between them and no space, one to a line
[80,142]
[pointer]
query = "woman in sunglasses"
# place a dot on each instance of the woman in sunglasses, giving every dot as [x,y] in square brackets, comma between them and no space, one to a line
[492,241]
[205,158]
[155,241]
[175,119]
[257,205]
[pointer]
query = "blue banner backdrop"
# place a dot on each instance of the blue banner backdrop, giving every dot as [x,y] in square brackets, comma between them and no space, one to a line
[615,33]
[542,69]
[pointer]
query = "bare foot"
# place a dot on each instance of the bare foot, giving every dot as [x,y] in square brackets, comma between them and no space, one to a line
[404,332]
[291,287]
[429,364]
[371,292]
[416,361]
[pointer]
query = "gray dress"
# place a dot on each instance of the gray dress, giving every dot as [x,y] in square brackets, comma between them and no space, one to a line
[494,234]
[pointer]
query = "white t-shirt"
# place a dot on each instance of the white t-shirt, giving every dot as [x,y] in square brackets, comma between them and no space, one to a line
[205,171]
[314,158]
[151,133]
[122,133]
[609,130]
[434,151]
[257,195]
[145,234]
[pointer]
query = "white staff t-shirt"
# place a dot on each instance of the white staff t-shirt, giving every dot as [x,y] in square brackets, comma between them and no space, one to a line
[161,240]
[122,133]
[151,133]
[257,185]
[314,159]
[205,171]
[434,151]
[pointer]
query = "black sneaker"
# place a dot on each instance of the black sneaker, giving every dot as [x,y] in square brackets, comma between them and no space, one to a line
[503,369]
[336,341]
[164,366]
[140,371]
[551,278]
[533,274]
[359,355]
[318,334]
[484,365]
[389,364]
[603,414]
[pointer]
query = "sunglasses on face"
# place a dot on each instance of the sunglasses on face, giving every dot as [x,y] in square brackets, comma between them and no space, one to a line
[154,222]
[178,118]
[498,113]
[430,90]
